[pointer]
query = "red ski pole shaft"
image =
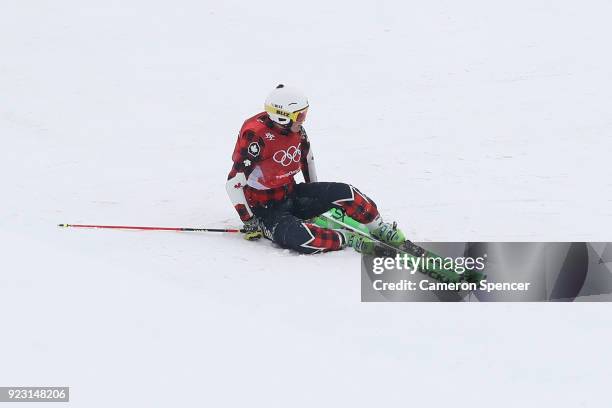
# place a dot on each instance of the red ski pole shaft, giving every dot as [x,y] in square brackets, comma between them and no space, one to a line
[128,227]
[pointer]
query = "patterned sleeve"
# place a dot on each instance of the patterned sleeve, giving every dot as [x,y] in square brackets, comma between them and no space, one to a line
[237,177]
[307,160]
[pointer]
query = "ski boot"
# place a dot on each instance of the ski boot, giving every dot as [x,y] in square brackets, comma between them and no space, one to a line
[389,233]
[359,242]
[366,245]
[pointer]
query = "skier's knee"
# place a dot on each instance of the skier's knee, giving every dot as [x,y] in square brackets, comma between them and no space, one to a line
[291,234]
[305,238]
[359,206]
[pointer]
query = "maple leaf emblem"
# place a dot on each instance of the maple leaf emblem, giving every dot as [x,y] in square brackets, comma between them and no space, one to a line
[254,149]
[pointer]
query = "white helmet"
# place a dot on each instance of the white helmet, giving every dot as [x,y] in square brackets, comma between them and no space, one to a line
[284,104]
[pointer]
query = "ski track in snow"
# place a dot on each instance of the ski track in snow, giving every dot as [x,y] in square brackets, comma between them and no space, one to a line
[472,121]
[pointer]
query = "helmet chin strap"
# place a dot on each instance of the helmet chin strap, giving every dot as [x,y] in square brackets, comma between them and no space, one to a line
[284,129]
[287,128]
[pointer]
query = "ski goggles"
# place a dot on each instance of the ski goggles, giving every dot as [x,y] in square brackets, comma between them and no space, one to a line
[297,116]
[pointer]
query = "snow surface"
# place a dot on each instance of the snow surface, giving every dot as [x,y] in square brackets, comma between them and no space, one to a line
[468,120]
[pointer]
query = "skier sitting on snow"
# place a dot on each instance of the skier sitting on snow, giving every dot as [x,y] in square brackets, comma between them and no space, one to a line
[271,149]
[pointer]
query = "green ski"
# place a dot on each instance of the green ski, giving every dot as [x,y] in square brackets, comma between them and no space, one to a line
[336,219]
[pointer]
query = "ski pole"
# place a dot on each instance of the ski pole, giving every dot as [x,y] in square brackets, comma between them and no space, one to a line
[126,227]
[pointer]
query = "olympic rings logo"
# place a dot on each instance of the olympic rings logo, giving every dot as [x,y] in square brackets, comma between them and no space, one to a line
[285,157]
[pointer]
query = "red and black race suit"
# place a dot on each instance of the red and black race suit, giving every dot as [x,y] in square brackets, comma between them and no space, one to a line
[269,157]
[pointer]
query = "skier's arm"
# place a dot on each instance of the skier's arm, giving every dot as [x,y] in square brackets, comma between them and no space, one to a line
[237,179]
[234,188]
[308,165]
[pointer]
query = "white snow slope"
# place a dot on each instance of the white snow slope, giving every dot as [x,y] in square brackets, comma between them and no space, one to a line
[471,120]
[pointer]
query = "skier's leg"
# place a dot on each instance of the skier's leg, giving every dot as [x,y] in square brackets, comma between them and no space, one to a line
[293,233]
[315,198]
[290,232]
